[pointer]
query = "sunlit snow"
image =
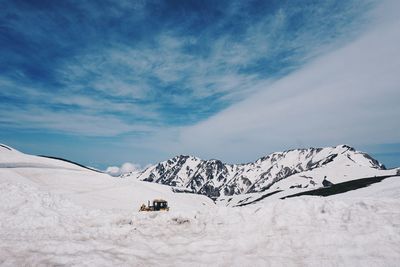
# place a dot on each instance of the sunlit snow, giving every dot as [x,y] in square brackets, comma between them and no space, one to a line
[56,213]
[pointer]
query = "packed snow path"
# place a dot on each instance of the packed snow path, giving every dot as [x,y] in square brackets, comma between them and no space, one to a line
[39,228]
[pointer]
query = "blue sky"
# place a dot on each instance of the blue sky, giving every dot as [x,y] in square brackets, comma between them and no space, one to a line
[105,82]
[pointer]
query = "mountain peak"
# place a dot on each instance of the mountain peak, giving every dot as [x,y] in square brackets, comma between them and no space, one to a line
[216,179]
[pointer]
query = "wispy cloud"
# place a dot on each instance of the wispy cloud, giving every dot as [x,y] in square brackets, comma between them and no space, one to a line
[63,121]
[138,72]
[245,76]
[346,96]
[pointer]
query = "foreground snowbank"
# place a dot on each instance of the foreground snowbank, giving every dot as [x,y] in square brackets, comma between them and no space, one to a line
[89,188]
[40,228]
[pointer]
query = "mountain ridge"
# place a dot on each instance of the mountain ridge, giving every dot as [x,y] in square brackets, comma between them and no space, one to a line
[217,179]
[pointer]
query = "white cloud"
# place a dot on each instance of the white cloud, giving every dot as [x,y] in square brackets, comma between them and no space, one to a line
[63,121]
[126,70]
[123,72]
[127,167]
[347,96]
[113,171]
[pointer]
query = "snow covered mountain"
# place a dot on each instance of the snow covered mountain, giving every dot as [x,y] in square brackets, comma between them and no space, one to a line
[299,168]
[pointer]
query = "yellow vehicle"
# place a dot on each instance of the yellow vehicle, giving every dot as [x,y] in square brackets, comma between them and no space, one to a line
[158,205]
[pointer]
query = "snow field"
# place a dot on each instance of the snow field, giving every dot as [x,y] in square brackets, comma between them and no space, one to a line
[55,213]
[41,228]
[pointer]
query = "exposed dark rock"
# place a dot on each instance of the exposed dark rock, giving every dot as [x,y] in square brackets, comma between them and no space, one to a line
[375,162]
[326,183]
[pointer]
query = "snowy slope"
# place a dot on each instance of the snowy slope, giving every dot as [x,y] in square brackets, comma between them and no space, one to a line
[12,158]
[387,189]
[53,213]
[90,188]
[300,168]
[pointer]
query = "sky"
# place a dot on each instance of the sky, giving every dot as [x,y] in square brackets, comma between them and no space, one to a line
[108,82]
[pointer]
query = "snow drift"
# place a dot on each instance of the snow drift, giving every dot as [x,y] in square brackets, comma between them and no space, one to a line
[55,213]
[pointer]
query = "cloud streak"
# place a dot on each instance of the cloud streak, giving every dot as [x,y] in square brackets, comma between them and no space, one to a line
[347,96]
[145,64]
[209,78]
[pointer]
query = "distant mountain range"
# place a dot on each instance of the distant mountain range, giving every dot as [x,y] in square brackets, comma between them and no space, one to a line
[313,171]
[309,169]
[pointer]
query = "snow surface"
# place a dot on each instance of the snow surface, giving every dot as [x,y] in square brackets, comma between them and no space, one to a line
[89,188]
[64,215]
